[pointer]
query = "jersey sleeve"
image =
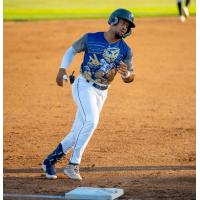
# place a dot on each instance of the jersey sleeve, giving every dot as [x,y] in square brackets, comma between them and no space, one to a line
[80,45]
[128,60]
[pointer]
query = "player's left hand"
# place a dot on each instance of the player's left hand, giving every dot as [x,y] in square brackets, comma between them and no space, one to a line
[122,68]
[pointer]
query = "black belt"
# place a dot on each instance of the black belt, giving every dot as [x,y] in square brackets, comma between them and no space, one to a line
[100,87]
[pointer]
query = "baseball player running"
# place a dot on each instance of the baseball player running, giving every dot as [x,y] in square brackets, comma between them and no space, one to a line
[106,54]
[183,12]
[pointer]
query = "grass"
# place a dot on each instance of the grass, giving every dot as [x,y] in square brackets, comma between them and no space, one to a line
[66,9]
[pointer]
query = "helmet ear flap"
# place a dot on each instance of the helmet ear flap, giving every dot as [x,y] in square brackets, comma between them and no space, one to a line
[114,21]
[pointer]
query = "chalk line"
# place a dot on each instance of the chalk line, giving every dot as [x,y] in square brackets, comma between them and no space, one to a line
[33,196]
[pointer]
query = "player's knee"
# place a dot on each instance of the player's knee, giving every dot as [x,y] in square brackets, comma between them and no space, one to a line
[92,122]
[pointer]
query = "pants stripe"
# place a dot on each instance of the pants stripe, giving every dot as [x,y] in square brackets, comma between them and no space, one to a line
[83,123]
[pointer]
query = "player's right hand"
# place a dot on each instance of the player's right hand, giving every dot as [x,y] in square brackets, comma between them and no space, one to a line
[59,78]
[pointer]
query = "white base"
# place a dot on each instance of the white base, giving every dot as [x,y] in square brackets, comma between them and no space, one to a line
[90,193]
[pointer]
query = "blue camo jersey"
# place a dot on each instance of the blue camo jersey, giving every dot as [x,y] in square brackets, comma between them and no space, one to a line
[102,58]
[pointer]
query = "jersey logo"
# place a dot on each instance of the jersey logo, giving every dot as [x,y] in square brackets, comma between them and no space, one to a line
[94,62]
[110,54]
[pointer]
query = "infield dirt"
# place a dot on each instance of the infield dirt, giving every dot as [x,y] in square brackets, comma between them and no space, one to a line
[145,124]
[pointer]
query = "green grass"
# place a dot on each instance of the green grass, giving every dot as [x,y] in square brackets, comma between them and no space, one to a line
[69,9]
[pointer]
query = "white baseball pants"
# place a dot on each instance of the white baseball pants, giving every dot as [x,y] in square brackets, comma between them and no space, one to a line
[89,102]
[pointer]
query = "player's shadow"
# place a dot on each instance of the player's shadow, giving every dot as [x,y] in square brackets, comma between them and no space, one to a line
[106,169]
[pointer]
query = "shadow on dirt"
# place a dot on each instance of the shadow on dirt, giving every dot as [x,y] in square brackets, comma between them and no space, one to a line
[148,188]
[156,183]
[107,169]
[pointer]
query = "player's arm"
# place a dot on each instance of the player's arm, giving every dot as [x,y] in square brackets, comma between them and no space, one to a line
[67,59]
[127,75]
[126,68]
[77,47]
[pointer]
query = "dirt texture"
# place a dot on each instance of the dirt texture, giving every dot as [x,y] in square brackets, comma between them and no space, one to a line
[145,140]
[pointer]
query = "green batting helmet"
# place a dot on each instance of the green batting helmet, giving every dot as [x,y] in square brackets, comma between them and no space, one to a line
[123,14]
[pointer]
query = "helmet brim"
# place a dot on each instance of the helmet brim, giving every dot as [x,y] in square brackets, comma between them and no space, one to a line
[132,24]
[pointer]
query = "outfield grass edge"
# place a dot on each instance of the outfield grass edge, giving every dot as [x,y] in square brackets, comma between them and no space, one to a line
[81,18]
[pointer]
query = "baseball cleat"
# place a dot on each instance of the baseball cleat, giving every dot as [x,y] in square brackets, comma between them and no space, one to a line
[182,18]
[72,171]
[186,11]
[49,170]
[49,163]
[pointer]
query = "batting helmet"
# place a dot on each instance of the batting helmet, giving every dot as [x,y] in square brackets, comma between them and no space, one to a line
[123,14]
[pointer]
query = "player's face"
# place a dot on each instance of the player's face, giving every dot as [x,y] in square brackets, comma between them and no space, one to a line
[121,28]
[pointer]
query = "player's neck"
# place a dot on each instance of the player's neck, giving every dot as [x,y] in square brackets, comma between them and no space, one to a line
[110,37]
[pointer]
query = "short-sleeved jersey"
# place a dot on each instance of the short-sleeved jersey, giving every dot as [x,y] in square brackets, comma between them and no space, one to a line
[101,58]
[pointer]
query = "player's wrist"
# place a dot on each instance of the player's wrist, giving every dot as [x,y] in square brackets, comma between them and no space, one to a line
[128,73]
[62,70]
